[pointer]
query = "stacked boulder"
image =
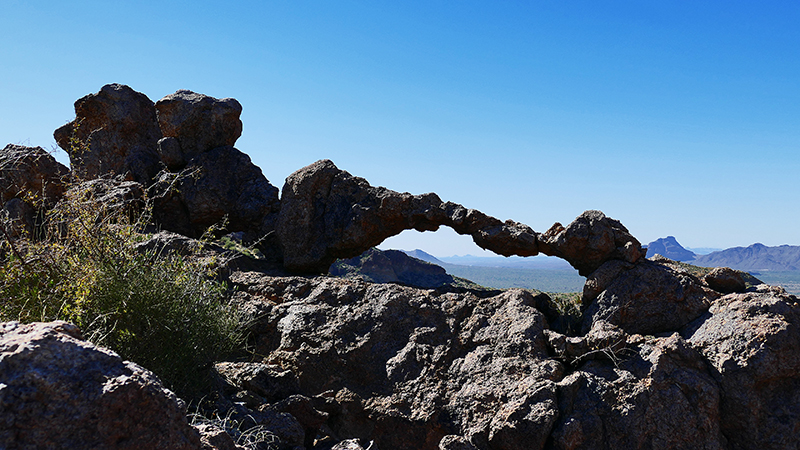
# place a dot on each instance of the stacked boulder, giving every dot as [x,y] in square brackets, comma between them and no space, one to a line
[181,150]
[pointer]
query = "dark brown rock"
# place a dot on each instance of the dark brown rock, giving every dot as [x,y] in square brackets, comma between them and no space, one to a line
[17,218]
[646,298]
[115,131]
[59,391]
[589,241]
[392,266]
[221,183]
[327,214]
[31,174]
[725,280]
[270,382]
[199,123]
[752,342]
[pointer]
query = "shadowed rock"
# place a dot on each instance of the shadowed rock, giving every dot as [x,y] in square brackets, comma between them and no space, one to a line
[647,297]
[115,131]
[199,123]
[59,391]
[30,173]
[221,183]
[326,214]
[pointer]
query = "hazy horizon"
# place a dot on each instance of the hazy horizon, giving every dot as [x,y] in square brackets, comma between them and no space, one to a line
[675,118]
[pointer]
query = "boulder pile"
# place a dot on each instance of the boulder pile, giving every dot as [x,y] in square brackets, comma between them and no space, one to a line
[660,359]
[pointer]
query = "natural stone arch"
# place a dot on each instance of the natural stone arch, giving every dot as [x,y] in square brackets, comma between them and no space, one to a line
[326,214]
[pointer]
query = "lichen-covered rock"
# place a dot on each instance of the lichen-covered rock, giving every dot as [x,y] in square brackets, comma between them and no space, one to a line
[199,123]
[752,343]
[31,174]
[115,131]
[59,391]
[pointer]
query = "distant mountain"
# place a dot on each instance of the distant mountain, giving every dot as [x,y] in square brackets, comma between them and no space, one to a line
[419,254]
[756,257]
[514,262]
[670,248]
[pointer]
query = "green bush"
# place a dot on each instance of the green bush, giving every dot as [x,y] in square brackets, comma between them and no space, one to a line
[163,312]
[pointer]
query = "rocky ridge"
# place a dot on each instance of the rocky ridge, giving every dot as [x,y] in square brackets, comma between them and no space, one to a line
[661,359]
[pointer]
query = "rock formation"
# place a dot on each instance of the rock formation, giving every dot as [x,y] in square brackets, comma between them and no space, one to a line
[663,358]
[59,391]
[326,214]
[115,131]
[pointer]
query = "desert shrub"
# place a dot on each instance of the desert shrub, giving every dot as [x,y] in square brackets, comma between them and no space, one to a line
[163,312]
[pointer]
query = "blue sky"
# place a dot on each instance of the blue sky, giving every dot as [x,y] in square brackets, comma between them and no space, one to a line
[677,118]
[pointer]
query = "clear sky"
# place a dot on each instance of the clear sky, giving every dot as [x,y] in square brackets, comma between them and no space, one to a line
[677,118]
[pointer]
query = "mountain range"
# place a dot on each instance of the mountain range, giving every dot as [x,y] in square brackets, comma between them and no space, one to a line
[756,257]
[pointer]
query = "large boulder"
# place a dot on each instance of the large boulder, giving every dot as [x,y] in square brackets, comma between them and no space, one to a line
[406,367]
[198,122]
[30,173]
[115,131]
[589,241]
[647,297]
[651,394]
[217,184]
[59,391]
[752,344]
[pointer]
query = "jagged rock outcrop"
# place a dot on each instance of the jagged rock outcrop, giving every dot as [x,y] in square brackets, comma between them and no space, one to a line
[751,342]
[198,122]
[31,174]
[406,367]
[411,368]
[59,391]
[115,131]
[326,214]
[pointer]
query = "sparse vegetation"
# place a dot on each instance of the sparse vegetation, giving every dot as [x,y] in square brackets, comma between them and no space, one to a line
[161,311]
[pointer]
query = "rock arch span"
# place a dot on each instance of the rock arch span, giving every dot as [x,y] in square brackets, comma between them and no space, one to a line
[326,214]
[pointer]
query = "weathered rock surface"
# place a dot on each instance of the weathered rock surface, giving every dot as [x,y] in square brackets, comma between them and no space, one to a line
[220,183]
[725,280]
[30,174]
[589,241]
[326,214]
[655,395]
[405,367]
[199,123]
[115,131]
[751,342]
[647,297]
[58,391]
[392,266]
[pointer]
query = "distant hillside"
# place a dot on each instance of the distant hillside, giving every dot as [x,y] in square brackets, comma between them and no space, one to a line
[756,257]
[392,266]
[670,248]
[419,254]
